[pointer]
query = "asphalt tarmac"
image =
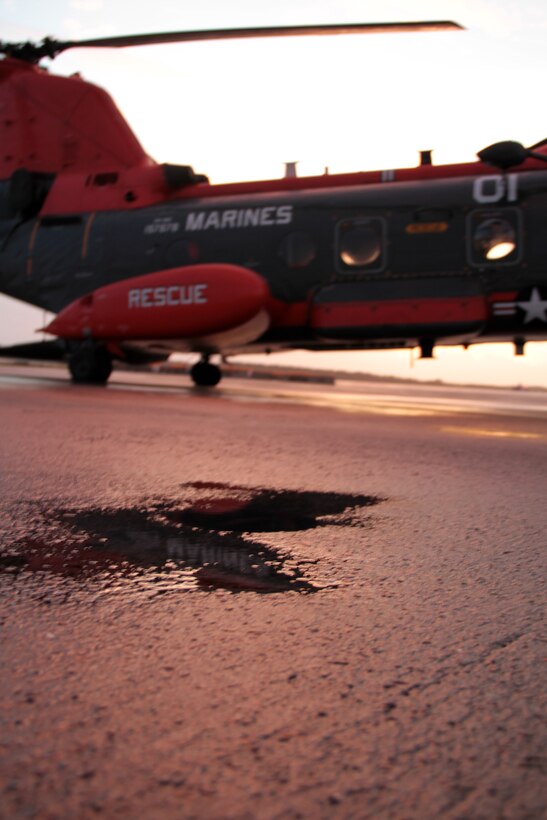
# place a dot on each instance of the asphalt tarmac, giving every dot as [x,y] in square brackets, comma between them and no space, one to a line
[270,600]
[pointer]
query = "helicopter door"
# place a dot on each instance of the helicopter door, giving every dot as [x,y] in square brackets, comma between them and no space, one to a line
[364,305]
[57,259]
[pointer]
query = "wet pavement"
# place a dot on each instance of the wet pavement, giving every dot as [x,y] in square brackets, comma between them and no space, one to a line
[201,541]
[249,604]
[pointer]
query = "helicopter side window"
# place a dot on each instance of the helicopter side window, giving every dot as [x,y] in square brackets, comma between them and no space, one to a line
[360,245]
[298,249]
[494,237]
[107,178]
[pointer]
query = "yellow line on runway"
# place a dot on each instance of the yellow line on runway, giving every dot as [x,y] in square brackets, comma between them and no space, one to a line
[476,431]
[386,405]
[345,402]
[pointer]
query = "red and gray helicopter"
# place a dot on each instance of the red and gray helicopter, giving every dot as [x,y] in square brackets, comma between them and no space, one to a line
[139,260]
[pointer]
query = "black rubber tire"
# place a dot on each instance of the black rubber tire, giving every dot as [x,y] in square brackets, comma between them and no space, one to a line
[205,374]
[90,365]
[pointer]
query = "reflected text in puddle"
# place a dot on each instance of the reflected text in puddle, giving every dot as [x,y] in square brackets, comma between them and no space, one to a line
[206,539]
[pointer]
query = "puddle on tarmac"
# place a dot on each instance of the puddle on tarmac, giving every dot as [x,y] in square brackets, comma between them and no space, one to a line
[205,539]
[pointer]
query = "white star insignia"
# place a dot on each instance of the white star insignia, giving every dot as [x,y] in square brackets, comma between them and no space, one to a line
[535,307]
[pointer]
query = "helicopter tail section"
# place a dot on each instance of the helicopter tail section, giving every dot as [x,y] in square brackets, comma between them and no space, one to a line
[52,124]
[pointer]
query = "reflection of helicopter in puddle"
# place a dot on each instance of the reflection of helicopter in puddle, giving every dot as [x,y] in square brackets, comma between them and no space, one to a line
[201,542]
[222,560]
[152,556]
[243,565]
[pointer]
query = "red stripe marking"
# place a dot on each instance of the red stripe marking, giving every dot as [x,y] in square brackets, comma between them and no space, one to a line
[400,312]
[325,181]
[292,314]
[505,296]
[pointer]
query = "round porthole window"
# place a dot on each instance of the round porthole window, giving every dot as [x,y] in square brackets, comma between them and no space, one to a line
[494,239]
[361,245]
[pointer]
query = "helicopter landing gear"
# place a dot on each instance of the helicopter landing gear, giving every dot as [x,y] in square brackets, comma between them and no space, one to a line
[427,346]
[90,364]
[205,374]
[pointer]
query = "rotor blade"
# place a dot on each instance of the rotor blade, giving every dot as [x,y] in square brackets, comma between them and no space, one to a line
[53,350]
[273,31]
[49,47]
[539,144]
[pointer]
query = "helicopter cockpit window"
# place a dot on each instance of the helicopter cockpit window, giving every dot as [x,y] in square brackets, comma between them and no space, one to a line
[361,245]
[298,249]
[494,237]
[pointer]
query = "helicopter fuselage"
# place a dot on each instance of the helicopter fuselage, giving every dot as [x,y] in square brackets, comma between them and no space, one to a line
[439,260]
[140,260]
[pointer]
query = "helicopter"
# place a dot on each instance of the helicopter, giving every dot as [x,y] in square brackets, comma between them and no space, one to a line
[139,260]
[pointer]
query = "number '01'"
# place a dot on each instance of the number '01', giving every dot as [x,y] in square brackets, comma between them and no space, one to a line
[488,190]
